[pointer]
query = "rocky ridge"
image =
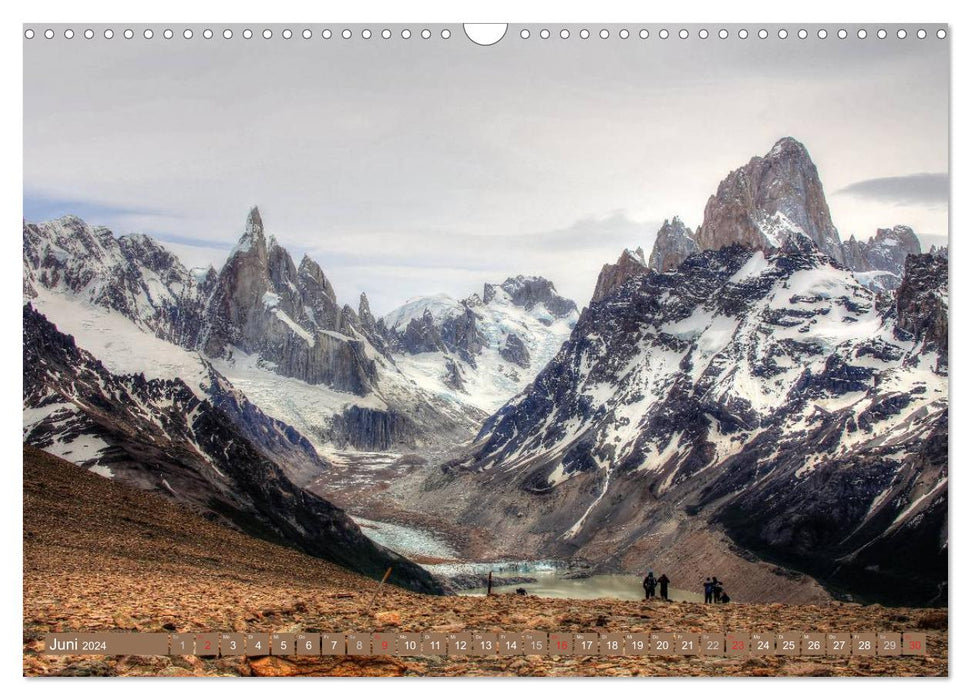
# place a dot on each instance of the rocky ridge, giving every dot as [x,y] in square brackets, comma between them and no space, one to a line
[132,275]
[259,315]
[161,436]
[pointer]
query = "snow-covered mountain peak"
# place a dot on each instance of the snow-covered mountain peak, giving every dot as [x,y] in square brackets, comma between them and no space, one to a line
[528,292]
[134,275]
[611,277]
[480,351]
[438,306]
[767,389]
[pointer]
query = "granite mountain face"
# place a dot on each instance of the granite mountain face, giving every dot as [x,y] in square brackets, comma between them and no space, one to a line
[769,199]
[264,305]
[773,198]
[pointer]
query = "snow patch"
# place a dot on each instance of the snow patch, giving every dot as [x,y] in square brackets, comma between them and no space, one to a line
[753,267]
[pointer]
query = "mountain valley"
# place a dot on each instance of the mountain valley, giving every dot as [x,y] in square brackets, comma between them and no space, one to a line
[756,398]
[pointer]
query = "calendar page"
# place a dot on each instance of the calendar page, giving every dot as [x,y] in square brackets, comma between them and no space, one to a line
[404,349]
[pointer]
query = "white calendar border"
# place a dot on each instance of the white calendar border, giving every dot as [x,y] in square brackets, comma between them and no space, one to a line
[437,11]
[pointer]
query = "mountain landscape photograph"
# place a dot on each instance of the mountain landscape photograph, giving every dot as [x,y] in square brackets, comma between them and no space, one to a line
[303,353]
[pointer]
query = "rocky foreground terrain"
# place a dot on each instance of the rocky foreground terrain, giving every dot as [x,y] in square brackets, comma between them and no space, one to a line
[102,556]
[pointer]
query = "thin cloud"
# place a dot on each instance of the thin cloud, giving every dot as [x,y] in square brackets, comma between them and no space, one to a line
[38,207]
[929,189]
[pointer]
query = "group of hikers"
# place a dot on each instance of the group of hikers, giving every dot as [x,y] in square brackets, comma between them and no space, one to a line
[714,589]
[651,584]
[714,592]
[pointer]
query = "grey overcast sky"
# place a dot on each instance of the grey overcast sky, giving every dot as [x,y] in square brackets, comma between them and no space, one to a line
[410,167]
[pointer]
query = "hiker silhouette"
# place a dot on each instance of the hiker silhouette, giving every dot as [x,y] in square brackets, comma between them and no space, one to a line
[663,582]
[650,583]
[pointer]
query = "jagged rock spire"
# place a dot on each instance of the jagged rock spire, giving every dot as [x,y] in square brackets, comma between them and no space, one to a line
[310,269]
[630,264]
[254,222]
[363,307]
[253,239]
[673,244]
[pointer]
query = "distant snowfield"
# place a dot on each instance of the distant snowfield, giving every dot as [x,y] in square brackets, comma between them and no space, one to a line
[440,306]
[490,385]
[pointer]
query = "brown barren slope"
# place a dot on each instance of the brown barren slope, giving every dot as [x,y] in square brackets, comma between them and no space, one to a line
[101,556]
